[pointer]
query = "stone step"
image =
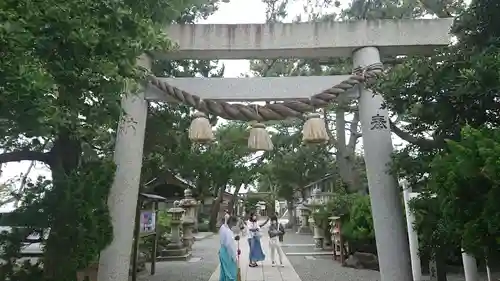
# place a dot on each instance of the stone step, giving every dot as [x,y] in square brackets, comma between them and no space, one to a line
[173,252]
[174,258]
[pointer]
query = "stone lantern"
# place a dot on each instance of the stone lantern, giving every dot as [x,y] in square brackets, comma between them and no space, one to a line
[305,212]
[175,250]
[334,223]
[176,214]
[318,231]
[189,219]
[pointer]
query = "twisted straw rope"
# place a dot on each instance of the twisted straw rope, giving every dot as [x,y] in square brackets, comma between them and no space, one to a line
[276,111]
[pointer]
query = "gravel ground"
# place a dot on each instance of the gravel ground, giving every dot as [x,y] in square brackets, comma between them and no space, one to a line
[323,268]
[203,263]
[304,250]
[294,238]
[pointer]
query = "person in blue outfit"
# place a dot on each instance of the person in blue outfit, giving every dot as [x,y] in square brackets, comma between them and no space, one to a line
[254,234]
[228,252]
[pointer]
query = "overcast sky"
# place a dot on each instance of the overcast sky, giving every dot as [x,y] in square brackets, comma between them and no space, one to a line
[251,11]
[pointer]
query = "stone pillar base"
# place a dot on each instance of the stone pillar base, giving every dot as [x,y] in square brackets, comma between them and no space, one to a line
[318,243]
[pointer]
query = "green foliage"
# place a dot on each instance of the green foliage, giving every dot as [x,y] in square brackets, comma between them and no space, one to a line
[433,232]
[355,213]
[164,219]
[308,163]
[87,227]
[203,227]
[210,167]
[64,67]
[448,105]
[250,203]
[437,96]
[466,182]
[358,224]
[388,9]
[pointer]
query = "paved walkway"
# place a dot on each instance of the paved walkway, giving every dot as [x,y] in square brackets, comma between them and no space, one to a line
[265,271]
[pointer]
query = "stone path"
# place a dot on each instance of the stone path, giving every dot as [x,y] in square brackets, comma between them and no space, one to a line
[308,266]
[265,271]
[199,268]
[202,235]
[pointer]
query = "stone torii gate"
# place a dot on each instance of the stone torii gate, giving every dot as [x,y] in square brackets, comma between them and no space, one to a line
[365,41]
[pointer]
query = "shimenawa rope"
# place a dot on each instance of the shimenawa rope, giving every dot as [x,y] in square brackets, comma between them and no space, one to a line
[275,111]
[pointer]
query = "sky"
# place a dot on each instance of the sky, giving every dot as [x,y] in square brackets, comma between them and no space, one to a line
[251,11]
[236,11]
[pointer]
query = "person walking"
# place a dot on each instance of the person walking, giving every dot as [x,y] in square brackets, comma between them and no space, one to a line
[276,232]
[228,252]
[254,234]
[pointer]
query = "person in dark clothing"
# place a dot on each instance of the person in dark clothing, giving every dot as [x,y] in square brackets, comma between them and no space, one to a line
[276,232]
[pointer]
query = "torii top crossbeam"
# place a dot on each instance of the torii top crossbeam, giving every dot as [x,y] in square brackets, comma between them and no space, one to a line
[299,40]
[306,40]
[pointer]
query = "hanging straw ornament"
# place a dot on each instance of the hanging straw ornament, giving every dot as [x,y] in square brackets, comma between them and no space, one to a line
[259,139]
[200,130]
[314,130]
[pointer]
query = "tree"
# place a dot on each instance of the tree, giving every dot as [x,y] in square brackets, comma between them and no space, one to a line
[345,149]
[62,81]
[470,169]
[445,101]
[230,167]
[292,165]
[458,206]
[167,148]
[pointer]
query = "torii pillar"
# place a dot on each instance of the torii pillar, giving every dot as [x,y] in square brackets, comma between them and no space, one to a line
[114,260]
[387,210]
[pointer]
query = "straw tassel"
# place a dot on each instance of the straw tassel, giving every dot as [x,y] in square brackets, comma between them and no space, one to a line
[314,130]
[200,130]
[259,139]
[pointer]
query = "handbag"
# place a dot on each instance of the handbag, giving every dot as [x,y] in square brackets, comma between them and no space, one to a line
[281,229]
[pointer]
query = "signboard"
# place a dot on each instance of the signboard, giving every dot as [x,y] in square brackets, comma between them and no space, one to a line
[147,221]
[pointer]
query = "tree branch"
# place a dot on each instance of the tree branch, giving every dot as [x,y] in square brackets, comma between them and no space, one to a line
[24,155]
[440,12]
[351,145]
[25,178]
[7,201]
[333,141]
[420,142]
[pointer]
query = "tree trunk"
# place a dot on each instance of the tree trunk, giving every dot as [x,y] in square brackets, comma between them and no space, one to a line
[441,265]
[271,208]
[64,160]
[212,225]
[291,217]
[234,198]
[346,151]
